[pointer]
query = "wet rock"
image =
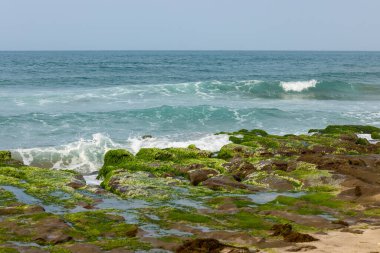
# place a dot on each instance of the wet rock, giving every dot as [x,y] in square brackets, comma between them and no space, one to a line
[76,184]
[208,246]
[51,230]
[200,175]
[147,136]
[226,182]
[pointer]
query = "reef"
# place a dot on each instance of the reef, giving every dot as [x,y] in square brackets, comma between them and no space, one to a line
[261,192]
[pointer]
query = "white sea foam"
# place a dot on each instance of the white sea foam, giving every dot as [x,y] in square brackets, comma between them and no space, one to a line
[210,142]
[83,155]
[86,156]
[298,86]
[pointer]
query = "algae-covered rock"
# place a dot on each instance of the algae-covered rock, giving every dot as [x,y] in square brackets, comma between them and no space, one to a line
[5,155]
[235,150]
[375,135]
[117,157]
[344,129]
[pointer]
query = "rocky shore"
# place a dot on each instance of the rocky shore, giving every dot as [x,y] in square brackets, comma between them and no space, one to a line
[317,192]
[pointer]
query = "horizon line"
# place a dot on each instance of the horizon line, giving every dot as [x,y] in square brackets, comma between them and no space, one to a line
[186,50]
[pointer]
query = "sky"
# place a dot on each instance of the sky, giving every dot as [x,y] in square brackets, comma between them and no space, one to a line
[190,25]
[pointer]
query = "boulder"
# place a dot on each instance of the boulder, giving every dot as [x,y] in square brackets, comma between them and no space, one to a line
[200,175]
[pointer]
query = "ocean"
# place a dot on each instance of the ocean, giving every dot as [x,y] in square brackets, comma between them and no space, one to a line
[66,109]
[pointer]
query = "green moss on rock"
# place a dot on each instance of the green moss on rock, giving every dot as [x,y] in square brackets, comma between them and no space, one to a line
[5,155]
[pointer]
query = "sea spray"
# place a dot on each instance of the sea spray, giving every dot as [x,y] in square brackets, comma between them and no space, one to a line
[86,156]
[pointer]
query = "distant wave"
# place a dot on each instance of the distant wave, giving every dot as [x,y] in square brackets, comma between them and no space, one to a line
[142,96]
[298,86]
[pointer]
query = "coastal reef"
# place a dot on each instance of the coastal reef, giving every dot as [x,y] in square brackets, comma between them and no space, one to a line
[259,193]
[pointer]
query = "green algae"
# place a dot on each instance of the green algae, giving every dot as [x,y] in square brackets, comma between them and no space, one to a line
[5,155]
[8,250]
[343,129]
[95,224]
[127,243]
[375,135]
[372,212]
[6,197]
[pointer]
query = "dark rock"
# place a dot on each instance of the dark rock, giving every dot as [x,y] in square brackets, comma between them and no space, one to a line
[302,248]
[147,136]
[299,237]
[239,168]
[281,229]
[358,191]
[208,246]
[353,231]
[340,222]
[200,175]
[226,182]
[285,230]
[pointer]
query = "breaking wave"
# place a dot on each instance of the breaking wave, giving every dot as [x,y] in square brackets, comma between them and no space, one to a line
[298,86]
[86,155]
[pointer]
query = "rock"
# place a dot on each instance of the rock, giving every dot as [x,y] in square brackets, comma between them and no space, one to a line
[147,136]
[208,246]
[281,229]
[301,248]
[281,165]
[358,191]
[11,210]
[77,183]
[340,222]
[239,168]
[186,169]
[5,155]
[285,230]
[226,182]
[276,183]
[353,231]
[51,230]
[84,248]
[299,237]
[200,175]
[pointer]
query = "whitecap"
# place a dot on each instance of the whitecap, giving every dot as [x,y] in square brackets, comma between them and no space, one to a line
[298,86]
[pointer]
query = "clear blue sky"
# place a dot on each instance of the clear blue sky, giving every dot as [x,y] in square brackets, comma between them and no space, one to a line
[192,24]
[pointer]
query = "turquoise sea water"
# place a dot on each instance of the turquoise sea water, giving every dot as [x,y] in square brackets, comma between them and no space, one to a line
[65,109]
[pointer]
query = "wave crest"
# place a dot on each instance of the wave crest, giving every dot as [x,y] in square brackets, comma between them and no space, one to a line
[86,156]
[298,86]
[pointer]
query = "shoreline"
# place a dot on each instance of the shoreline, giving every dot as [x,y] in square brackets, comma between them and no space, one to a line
[258,192]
